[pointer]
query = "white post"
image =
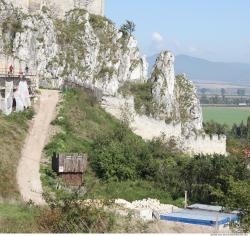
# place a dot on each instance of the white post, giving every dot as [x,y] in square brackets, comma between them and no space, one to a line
[185,206]
[217,223]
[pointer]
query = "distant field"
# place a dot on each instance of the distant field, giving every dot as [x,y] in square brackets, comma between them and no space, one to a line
[226,115]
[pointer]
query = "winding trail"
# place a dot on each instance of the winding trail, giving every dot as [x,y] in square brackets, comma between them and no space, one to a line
[28,175]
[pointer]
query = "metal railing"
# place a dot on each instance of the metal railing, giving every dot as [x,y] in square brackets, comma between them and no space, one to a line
[16,73]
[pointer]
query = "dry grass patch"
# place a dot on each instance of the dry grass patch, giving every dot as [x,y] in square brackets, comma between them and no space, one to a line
[13,131]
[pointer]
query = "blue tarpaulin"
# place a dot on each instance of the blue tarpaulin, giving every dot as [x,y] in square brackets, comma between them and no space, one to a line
[200,217]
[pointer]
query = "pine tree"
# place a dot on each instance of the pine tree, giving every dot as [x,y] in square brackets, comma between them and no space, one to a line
[248,128]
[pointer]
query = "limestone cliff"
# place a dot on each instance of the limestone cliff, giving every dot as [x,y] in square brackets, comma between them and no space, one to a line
[165,106]
[85,49]
[175,96]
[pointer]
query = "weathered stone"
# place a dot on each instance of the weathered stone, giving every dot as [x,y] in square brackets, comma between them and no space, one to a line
[175,97]
[83,49]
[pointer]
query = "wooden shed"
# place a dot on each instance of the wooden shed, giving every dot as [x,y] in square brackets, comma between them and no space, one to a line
[71,167]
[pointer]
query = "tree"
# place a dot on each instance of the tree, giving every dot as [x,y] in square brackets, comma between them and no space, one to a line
[241,92]
[215,99]
[204,99]
[204,90]
[243,130]
[128,28]
[248,128]
[223,92]
[238,198]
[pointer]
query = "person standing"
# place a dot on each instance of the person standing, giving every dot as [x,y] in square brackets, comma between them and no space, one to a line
[26,69]
[10,69]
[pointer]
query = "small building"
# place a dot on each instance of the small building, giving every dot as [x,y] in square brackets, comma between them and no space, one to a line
[71,167]
[243,104]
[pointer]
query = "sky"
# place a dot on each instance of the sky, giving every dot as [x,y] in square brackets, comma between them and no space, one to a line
[216,30]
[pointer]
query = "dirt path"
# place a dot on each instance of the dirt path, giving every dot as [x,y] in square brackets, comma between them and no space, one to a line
[28,175]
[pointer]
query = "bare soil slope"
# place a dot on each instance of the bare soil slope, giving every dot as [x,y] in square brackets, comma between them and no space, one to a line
[28,175]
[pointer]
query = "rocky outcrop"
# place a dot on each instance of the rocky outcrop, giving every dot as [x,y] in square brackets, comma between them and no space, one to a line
[166,106]
[175,96]
[163,78]
[81,48]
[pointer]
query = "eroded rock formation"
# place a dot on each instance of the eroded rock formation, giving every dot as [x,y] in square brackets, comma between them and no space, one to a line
[175,96]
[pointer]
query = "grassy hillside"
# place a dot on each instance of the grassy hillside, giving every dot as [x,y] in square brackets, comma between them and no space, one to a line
[13,130]
[122,165]
[226,115]
[83,122]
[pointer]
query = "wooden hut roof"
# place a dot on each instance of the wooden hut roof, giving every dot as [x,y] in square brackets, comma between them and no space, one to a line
[72,163]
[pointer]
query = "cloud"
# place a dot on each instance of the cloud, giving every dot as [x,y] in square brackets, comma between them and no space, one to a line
[157,38]
[158,42]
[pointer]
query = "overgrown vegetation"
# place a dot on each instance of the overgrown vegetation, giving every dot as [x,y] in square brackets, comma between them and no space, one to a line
[128,28]
[142,93]
[85,127]
[184,96]
[69,35]
[67,215]
[10,27]
[122,165]
[13,130]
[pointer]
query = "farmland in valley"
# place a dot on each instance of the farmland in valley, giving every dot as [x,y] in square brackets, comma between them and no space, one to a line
[226,115]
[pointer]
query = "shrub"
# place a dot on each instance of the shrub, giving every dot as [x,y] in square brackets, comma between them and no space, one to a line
[70,215]
[114,155]
[142,93]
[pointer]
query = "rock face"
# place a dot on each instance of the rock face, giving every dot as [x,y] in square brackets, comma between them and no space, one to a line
[175,97]
[163,77]
[175,111]
[81,48]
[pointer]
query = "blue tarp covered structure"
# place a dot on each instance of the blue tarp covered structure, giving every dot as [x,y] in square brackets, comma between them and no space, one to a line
[200,217]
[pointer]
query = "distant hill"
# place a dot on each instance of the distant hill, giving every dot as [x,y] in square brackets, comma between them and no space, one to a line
[200,70]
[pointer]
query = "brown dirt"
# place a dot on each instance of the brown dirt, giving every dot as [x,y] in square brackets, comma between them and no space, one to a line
[28,175]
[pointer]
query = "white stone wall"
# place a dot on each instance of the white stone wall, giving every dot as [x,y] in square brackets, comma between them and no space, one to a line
[149,128]
[144,126]
[206,144]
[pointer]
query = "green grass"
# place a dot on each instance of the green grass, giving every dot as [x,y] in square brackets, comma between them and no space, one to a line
[18,218]
[13,130]
[226,115]
[128,190]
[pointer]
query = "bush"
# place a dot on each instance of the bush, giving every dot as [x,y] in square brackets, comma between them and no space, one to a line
[73,216]
[115,155]
[142,93]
